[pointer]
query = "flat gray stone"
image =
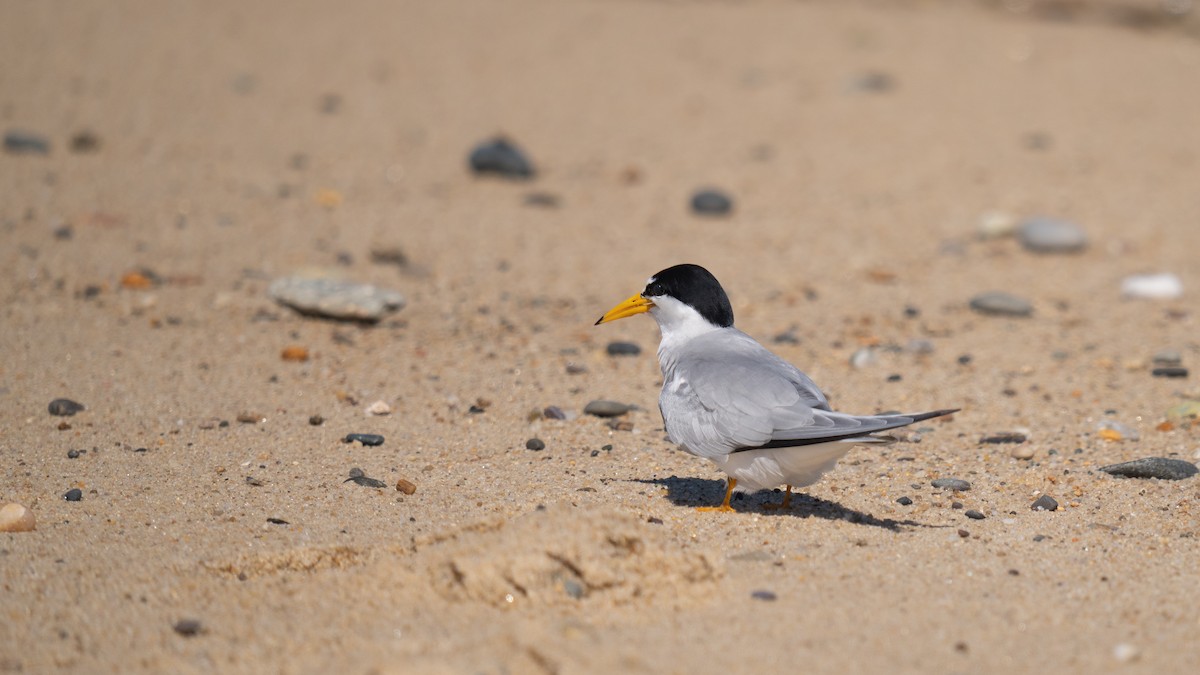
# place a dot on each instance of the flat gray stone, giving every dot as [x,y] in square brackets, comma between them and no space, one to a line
[999,303]
[951,484]
[607,408]
[1153,467]
[335,299]
[1050,235]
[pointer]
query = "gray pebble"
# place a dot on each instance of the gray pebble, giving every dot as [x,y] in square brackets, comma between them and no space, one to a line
[764,595]
[1168,358]
[500,157]
[535,444]
[365,439]
[863,358]
[711,203]
[334,299]
[25,143]
[573,588]
[603,408]
[974,514]
[65,407]
[1153,467]
[72,454]
[360,478]
[188,627]
[1171,371]
[85,141]
[547,200]
[904,501]
[1049,235]
[1004,437]
[1044,503]
[623,349]
[999,303]
[956,484]
[73,495]
[554,412]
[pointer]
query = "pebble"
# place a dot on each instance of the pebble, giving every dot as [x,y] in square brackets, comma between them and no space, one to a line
[25,143]
[1050,235]
[16,518]
[1125,652]
[554,412]
[72,454]
[188,627]
[974,514]
[379,408]
[864,358]
[334,299]
[1022,452]
[535,444]
[547,200]
[316,420]
[365,439]
[711,203]
[904,501]
[623,349]
[85,141]
[1044,503]
[996,224]
[1004,437]
[406,486]
[601,408]
[871,81]
[294,353]
[1170,371]
[764,595]
[1167,358]
[1113,430]
[502,158]
[1152,286]
[360,478]
[65,407]
[1153,467]
[956,484]
[73,495]
[999,303]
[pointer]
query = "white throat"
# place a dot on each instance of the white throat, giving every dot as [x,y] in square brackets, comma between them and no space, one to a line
[679,323]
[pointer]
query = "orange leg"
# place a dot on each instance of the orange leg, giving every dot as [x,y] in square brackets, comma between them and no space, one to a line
[725,504]
[787,501]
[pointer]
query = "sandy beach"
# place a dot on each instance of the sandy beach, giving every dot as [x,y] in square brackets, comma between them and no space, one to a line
[165,163]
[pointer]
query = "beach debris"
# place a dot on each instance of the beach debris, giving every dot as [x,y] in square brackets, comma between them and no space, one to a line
[602,408]
[1153,467]
[359,477]
[365,439]
[20,142]
[1112,430]
[1163,286]
[501,157]
[1042,234]
[622,349]
[711,202]
[65,407]
[956,484]
[16,518]
[406,486]
[188,627]
[764,595]
[1044,503]
[863,358]
[379,407]
[335,299]
[554,412]
[999,303]
[1004,437]
[73,495]
[294,353]
[996,224]
[251,418]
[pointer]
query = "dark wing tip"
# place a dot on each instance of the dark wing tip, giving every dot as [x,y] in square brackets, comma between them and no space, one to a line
[930,415]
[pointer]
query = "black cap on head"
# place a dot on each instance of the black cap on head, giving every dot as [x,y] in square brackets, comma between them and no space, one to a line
[695,286]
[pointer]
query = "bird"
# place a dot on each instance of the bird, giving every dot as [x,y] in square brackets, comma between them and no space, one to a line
[727,398]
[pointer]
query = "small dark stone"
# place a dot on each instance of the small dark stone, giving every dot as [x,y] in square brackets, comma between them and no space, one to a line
[894,378]
[1153,467]
[603,408]
[256,482]
[964,534]
[360,478]
[911,312]
[547,200]
[317,420]
[64,232]
[141,450]
[85,141]
[554,413]
[500,157]
[277,521]
[535,444]
[654,521]
[1044,503]
[623,349]
[72,454]
[1170,371]
[711,203]
[475,410]
[73,495]
[1040,537]
[965,359]
[764,595]
[65,407]
[787,337]
[956,484]
[573,588]
[365,439]
[956,505]
[1004,437]
[188,627]
[904,501]
[25,143]
[973,514]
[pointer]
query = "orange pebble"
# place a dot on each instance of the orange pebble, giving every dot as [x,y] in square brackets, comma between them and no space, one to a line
[295,353]
[136,281]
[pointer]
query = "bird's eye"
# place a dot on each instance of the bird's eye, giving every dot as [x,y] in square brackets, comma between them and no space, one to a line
[654,290]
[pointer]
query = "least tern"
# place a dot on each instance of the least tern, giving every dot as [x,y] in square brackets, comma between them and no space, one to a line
[727,398]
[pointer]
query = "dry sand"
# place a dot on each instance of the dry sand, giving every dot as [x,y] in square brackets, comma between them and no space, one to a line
[239,142]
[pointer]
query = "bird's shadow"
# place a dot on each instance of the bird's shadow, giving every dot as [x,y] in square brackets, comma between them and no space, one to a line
[695,492]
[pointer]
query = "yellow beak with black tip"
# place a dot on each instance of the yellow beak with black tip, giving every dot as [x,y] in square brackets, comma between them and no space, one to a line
[634,305]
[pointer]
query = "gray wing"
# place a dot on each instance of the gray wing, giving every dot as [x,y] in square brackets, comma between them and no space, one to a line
[736,395]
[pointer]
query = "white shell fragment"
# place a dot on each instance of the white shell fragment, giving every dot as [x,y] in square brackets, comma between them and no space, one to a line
[1152,286]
